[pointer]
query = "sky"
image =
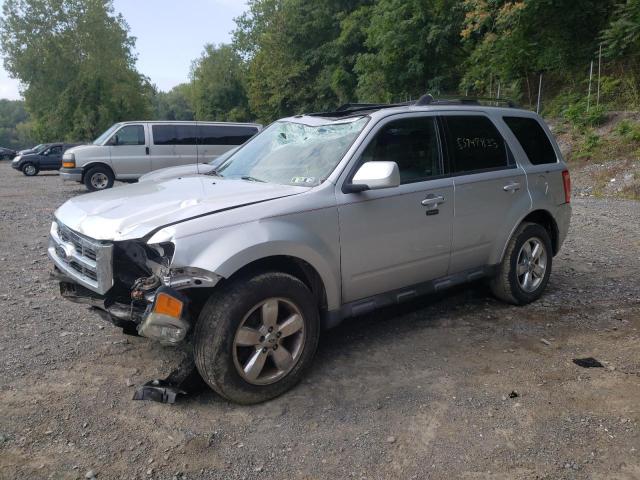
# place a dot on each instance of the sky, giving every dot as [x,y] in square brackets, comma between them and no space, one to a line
[170,35]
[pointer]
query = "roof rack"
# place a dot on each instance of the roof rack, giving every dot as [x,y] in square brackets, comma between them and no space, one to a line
[429,99]
[354,108]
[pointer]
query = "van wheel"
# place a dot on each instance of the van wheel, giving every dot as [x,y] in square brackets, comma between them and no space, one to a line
[30,170]
[98,178]
[256,337]
[525,269]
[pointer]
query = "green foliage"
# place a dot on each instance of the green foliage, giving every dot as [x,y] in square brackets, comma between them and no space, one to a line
[75,59]
[14,129]
[628,131]
[217,89]
[174,104]
[623,34]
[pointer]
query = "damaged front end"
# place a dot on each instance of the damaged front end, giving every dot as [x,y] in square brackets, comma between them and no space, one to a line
[130,283]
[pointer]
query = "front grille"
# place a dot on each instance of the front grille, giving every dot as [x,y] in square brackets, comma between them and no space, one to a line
[83,259]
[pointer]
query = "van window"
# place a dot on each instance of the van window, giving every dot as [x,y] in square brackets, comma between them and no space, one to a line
[412,143]
[129,135]
[533,139]
[225,135]
[174,134]
[474,144]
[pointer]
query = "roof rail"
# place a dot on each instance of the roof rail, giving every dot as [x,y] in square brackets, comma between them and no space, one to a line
[353,108]
[429,99]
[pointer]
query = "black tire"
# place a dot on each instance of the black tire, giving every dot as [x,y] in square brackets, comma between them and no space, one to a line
[220,320]
[30,169]
[506,285]
[99,172]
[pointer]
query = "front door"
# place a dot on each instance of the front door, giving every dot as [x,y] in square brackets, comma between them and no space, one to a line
[51,159]
[129,152]
[397,237]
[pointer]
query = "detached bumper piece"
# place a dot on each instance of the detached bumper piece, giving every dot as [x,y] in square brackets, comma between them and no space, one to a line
[184,380]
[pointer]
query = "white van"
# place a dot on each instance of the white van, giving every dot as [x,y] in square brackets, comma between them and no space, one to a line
[128,150]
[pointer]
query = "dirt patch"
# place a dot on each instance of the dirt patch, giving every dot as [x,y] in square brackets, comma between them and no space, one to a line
[418,391]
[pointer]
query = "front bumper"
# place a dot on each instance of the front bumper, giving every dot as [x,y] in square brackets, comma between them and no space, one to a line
[16,165]
[71,174]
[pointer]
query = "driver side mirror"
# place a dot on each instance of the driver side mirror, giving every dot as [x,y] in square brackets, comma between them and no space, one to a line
[113,140]
[374,176]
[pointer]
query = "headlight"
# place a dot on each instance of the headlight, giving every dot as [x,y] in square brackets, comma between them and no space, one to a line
[17,159]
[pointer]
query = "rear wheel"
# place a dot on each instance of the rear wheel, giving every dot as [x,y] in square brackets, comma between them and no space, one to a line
[29,169]
[98,178]
[525,269]
[256,337]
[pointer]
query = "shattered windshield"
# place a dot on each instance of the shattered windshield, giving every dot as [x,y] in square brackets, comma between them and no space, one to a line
[291,153]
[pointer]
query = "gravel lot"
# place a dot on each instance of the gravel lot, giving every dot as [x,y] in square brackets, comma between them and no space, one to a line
[421,391]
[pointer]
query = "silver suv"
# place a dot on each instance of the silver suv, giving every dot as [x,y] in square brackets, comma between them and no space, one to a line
[318,218]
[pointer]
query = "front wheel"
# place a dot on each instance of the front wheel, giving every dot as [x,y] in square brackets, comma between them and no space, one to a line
[98,178]
[256,337]
[524,271]
[29,169]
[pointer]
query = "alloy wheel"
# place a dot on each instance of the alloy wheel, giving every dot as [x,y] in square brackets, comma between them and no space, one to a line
[269,341]
[531,265]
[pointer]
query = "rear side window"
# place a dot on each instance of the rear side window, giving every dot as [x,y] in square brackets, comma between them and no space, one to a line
[224,135]
[533,139]
[474,144]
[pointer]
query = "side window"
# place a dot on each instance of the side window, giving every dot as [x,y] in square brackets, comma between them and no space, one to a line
[129,135]
[209,135]
[533,139]
[225,135]
[474,144]
[186,135]
[57,150]
[412,143]
[164,134]
[238,135]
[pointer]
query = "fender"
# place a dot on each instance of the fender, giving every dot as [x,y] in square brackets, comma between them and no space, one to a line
[311,236]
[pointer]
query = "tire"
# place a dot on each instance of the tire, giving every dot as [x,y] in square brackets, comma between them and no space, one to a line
[30,169]
[510,282]
[223,354]
[98,178]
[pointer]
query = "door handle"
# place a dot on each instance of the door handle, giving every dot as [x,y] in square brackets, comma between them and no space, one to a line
[147,150]
[511,187]
[432,201]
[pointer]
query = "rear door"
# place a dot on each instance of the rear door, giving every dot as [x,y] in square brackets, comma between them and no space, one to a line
[397,237]
[128,149]
[490,189]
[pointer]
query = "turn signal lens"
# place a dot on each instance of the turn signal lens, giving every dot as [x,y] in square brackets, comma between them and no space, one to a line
[69,163]
[167,305]
[566,182]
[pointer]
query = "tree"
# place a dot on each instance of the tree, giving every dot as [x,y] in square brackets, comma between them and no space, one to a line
[174,104]
[413,47]
[14,127]
[75,59]
[217,85]
[622,36]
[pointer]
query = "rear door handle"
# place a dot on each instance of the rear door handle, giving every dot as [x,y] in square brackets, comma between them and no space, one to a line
[511,187]
[432,201]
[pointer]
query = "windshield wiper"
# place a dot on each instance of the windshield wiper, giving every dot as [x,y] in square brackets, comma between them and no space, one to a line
[253,179]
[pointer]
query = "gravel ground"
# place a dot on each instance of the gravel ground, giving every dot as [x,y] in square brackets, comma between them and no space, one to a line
[421,391]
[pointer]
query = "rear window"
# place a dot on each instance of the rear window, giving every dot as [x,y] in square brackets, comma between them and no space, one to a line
[533,139]
[225,135]
[474,144]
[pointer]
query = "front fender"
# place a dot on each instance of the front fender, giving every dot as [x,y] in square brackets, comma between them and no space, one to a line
[309,236]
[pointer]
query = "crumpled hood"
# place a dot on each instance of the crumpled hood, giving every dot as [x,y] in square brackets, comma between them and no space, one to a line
[134,211]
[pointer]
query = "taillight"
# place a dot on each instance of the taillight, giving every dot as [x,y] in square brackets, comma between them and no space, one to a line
[566,182]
